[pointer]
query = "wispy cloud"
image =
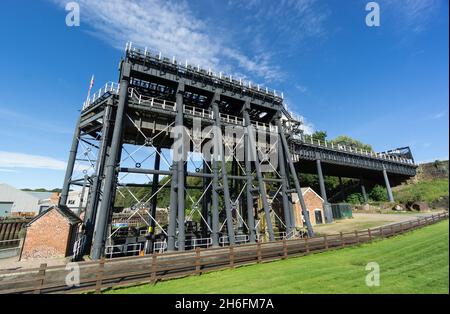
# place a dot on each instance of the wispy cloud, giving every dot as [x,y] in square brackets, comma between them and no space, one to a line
[18,160]
[172,28]
[27,121]
[301,88]
[438,115]
[296,18]
[413,15]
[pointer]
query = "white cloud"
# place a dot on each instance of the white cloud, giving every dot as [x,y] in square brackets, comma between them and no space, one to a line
[19,160]
[301,88]
[173,29]
[414,14]
[438,115]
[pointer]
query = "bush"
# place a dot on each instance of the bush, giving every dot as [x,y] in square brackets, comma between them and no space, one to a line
[355,198]
[378,194]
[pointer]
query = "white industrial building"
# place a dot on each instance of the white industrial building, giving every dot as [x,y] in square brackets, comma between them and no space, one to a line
[15,202]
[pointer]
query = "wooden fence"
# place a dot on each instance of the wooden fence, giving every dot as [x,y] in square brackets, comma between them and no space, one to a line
[98,275]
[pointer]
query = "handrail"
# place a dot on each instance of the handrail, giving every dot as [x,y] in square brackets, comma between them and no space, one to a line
[108,88]
[308,139]
[133,51]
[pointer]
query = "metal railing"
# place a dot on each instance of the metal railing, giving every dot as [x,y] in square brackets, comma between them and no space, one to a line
[112,250]
[143,52]
[160,247]
[308,139]
[196,243]
[108,89]
[238,239]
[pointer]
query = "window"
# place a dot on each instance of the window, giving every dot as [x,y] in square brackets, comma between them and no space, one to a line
[71,202]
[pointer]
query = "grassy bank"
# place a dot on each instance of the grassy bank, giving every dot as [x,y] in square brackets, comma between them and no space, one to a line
[425,191]
[415,262]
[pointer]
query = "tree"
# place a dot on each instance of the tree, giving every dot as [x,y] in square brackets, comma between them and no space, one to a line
[355,198]
[378,194]
[319,135]
[348,141]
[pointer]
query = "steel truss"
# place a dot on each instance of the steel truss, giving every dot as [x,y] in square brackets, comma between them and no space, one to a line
[232,136]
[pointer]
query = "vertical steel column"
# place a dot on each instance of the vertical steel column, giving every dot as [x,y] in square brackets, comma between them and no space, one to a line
[110,172]
[323,192]
[171,229]
[215,197]
[219,148]
[70,165]
[262,190]
[363,191]
[206,201]
[155,186]
[179,124]
[83,190]
[388,185]
[284,189]
[288,157]
[249,187]
[94,197]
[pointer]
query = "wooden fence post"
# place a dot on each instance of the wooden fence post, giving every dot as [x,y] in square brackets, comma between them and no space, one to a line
[401,228]
[153,270]
[307,245]
[357,236]
[392,230]
[231,256]
[325,239]
[342,239]
[41,278]
[285,252]
[258,252]
[98,283]
[197,261]
[370,234]
[381,232]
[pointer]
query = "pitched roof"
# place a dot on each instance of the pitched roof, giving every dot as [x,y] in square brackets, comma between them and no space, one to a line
[71,217]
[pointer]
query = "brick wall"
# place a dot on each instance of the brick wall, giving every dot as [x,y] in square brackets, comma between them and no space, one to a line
[312,202]
[47,237]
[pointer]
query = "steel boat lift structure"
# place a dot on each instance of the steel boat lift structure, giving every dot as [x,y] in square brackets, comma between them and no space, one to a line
[237,137]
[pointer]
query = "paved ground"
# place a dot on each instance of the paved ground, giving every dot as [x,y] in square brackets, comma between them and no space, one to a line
[362,221]
[13,263]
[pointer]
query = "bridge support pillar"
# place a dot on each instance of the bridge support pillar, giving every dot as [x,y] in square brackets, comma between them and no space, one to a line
[70,165]
[249,186]
[180,158]
[287,205]
[298,189]
[326,206]
[363,191]
[220,151]
[388,185]
[111,173]
[262,190]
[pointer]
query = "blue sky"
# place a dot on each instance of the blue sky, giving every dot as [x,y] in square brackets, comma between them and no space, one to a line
[387,86]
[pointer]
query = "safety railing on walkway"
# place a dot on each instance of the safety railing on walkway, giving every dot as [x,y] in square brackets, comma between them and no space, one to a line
[105,91]
[99,275]
[310,140]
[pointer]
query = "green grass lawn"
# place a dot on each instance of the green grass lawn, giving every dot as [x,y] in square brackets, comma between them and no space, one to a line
[426,191]
[416,262]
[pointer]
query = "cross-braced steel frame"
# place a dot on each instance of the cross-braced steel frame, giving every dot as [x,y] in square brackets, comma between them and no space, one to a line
[165,123]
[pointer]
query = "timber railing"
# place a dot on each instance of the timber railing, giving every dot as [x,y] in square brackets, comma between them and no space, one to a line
[99,275]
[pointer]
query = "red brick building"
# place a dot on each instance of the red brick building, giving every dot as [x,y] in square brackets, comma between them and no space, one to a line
[51,234]
[313,202]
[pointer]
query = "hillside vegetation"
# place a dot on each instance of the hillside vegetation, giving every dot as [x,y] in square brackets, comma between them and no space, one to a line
[422,191]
